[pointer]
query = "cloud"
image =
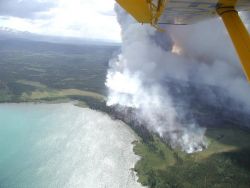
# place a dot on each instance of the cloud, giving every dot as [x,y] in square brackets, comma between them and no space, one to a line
[76,18]
[25,8]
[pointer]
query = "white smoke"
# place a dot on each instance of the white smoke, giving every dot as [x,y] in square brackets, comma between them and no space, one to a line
[200,53]
[209,46]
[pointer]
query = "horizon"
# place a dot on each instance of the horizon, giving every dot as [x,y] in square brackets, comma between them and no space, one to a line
[9,34]
[95,20]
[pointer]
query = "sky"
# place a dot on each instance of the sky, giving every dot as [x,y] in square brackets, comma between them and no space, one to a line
[91,19]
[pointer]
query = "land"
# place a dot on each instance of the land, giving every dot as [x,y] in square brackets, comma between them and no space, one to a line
[33,71]
[225,163]
[37,71]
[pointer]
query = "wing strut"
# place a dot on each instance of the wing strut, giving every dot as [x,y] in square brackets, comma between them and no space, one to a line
[238,34]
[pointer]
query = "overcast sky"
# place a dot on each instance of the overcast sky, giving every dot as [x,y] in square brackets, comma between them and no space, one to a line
[94,19]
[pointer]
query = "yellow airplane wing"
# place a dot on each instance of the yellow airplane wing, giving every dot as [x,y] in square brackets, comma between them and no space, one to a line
[179,12]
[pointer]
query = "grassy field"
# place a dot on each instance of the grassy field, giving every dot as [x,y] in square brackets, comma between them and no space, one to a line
[32,83]
[35,91]
[225,163]
[55,94]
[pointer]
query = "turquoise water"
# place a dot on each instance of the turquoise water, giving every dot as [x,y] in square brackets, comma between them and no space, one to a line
[60,145]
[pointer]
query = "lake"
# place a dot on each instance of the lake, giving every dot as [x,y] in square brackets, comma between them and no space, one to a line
[61,145]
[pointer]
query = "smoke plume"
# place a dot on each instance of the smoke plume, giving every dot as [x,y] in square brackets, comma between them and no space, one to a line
[138,77]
